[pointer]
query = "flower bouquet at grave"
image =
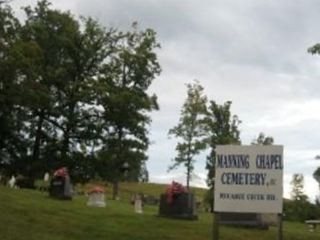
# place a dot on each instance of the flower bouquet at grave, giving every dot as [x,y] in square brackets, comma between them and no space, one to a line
[96,189]
[177,202]
[61,172]
[60,184]
[173,190]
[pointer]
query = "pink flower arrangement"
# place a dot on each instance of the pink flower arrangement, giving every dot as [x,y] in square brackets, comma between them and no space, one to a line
[173,190]
[96,189]
[61,172]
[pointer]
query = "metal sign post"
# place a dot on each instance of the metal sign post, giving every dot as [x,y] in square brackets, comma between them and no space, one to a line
[215,234]
[280,232]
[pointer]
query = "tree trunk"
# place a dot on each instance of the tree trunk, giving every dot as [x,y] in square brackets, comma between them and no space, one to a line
[70,126]
[65,148]
[188,175]
[37,141]
[116,180]
[36,149]
[189,161]
[66,142]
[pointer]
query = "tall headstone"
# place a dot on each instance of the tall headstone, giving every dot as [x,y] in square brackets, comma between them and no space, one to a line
[177,202]
[60,185]
[46,177]
[12,182]
[138,204]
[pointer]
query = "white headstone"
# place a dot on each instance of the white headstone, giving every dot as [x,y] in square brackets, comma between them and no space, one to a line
[96,199]
[46,177]
[12,182]
[138,204]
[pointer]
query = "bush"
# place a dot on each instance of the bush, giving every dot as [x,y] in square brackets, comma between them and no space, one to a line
[300,210]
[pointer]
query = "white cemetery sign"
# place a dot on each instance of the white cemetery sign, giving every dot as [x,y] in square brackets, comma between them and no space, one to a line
[248,179]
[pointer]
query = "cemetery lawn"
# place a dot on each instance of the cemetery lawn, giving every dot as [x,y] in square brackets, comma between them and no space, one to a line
[32,215]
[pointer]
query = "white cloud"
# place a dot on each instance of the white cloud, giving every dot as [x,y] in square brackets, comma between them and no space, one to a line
[290,114]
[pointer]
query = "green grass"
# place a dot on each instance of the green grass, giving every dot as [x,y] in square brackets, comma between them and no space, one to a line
[28,215]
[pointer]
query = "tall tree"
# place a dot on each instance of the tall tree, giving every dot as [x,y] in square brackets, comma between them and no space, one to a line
[13,144]
[75,94]
[316,175]
[222,129]
[315,49]
[297,183]
[54,34]
[126,103]
[262,139]
[190,130]
[63,112]
[300,199]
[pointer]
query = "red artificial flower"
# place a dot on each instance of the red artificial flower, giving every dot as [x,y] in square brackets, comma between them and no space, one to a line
[173,190]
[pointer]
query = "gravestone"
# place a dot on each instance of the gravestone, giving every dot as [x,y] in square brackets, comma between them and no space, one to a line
[96,197]
[183,206]
[46,177]
[138,204]
[12,182]
[46,182]
[177,202]
[60,185]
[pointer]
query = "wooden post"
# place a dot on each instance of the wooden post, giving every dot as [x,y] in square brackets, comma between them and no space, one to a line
[215,232]
[280,237]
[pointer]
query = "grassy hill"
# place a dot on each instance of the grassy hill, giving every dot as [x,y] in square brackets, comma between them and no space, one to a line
[28,215]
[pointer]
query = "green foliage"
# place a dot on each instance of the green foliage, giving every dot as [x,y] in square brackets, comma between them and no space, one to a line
[126,103]
[299,209]
[222,129]
[262,139]
[11,139]
[297,184]
[74,94]
[191,128]
[316,175]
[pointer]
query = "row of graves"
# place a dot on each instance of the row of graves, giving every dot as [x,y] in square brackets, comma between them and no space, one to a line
[61,188]
[176,202]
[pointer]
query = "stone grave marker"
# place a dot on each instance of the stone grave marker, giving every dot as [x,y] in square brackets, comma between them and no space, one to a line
[96,197]
[177,202]
[12,182]
[138,204]
[60,185]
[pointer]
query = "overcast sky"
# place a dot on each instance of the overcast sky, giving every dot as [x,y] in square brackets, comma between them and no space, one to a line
[251,52]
